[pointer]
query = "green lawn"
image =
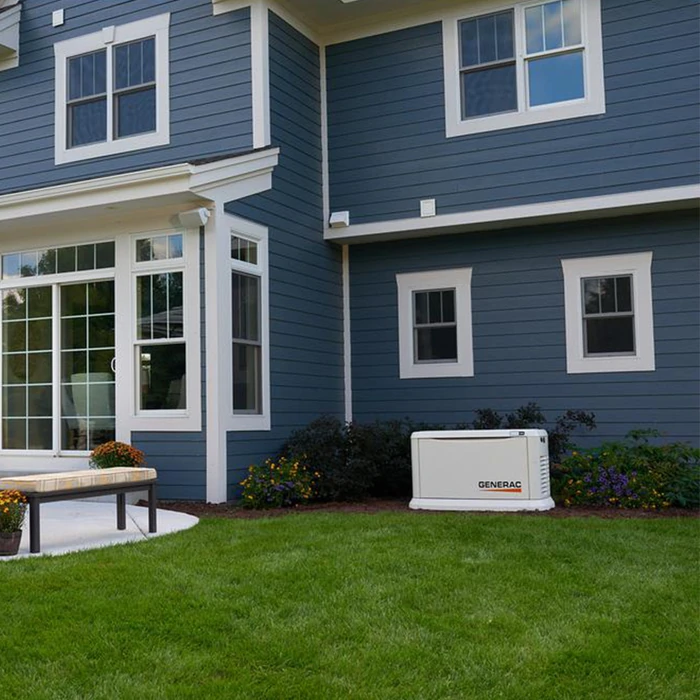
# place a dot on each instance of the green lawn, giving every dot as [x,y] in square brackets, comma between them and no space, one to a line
[389,606]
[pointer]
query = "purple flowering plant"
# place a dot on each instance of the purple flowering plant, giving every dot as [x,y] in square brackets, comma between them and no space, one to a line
[633,473]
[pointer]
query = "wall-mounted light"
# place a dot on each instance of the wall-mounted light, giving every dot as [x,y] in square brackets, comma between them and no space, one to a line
[340,219]
[194,218]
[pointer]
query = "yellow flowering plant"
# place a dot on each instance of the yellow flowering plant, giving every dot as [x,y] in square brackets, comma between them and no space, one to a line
[116,454]
[279,483]
[13,506]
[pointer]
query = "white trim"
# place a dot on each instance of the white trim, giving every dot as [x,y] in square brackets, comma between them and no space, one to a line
[158,27]
[325,168]
[9,38]
[593,103]
[458,279]
[189,419]
[172,186]
[639,266]
[347,335]
[525,214]
[215,251]
[260,74]
[235,225]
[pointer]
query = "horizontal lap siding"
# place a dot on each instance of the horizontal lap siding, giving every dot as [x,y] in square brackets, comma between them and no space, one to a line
[387,138]
[518,326]
[210,89]
[306,342]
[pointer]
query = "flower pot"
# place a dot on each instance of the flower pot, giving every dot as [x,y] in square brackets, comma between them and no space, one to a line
[9,543]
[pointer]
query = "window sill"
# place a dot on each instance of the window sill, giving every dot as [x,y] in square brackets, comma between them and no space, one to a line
[239,422]
[107,148]
[539,115]
[592,365]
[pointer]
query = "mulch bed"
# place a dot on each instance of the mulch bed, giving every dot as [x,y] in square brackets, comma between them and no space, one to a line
[375,505]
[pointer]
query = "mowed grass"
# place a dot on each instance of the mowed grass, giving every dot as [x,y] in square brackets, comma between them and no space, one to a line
[387,606]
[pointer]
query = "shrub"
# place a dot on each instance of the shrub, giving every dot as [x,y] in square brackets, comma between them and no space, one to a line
[281,483]
[632,473]
[324,449]
[13,506]
[116,454]
[382,451]
[530,416]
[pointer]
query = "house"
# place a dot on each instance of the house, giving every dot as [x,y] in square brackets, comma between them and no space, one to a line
[222,219]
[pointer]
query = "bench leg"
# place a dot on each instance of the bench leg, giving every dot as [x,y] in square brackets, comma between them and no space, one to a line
[152,524]
[121,511]
[34,528]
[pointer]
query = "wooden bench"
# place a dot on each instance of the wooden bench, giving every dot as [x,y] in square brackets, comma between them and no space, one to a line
[63,486]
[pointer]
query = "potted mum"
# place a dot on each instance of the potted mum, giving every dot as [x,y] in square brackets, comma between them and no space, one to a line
[13,507]
[116,454]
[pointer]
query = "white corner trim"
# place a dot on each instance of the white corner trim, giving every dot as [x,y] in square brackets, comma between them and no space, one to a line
[525,214]
[458,279]
[325,168]
[260,74]
[592,104]
[158,27]
[182,184]
[639,266]
[216,460]
[347,335]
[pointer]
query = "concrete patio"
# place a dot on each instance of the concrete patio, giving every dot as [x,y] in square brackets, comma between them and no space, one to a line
[72,526]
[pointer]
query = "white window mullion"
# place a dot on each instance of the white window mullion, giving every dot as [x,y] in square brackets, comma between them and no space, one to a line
[56,366]
[110,93]
[520,47]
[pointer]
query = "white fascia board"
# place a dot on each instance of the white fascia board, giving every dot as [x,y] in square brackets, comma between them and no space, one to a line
[172,185]
[522,215]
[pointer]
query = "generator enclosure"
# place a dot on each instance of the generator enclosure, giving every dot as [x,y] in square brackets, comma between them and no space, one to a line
[504,470]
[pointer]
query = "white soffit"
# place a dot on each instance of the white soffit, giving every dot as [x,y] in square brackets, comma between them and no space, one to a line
[173,187]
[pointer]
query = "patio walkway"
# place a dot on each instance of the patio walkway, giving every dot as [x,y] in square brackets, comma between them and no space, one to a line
[70,526]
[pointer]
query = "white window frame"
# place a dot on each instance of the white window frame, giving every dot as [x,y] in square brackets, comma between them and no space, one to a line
[458,279]
[638,266]
[107,38]
[72,459]
[257,234]
[594,82]
[190,418]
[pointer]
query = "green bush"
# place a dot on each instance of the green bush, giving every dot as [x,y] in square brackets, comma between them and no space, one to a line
[530,416]
[357,460]
[633,473]
[278,483]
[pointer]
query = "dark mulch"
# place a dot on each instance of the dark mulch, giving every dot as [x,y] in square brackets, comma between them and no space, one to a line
[376,505]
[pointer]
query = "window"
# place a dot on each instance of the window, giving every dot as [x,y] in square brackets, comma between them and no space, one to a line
[246,317]
[435,334]
[112,90]
[58,348]
[161,348]
[532,63]
[609,316]
[250,374]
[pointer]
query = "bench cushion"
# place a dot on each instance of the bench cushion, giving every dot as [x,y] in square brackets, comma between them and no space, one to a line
[62,481]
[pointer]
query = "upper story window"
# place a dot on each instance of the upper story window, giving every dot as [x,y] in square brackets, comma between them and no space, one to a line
[112,90]
[534,62]
[609,315]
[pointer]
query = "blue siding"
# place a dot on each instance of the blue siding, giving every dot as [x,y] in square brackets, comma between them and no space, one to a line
[305,272]
[210,89]
[518,326]
[387,138]
[181,458]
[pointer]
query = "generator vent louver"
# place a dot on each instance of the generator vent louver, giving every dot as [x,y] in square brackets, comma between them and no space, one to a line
[544,473]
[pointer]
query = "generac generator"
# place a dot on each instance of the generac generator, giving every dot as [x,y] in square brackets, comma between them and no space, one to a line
[480,470]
